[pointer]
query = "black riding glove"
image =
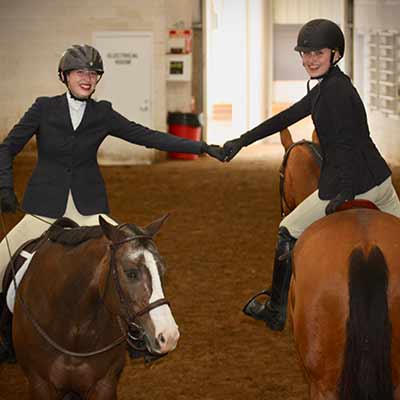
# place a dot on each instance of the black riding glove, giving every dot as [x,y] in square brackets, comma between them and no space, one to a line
[337,201]
[8,200]
[232,147]
[213,150]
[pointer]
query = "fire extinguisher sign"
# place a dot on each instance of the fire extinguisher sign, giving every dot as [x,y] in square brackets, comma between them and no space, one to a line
[180,41]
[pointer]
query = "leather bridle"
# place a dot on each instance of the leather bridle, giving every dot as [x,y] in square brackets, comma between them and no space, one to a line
[129,316]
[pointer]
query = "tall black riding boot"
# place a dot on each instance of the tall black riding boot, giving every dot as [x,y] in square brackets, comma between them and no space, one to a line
[7,353]
[273,312]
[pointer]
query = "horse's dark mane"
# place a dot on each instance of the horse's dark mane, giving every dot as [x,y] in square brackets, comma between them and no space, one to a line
[65,231]
[68,232]
[135,229]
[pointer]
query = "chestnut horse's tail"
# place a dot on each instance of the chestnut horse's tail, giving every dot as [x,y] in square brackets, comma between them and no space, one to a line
[367,364]
[72,396]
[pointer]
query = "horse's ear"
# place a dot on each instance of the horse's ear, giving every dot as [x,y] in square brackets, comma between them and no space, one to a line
[286,138]
[155,226]
[110,230]
[315,137]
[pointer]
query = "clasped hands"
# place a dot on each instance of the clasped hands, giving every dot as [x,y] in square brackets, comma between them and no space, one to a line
[224,153]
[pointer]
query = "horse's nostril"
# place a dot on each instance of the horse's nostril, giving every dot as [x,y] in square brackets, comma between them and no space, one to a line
[161,338]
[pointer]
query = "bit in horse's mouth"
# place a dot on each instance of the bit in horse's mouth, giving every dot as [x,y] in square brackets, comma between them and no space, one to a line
[142,348]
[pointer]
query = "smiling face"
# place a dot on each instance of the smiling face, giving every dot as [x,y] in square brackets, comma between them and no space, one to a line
[318,62]
[82,82]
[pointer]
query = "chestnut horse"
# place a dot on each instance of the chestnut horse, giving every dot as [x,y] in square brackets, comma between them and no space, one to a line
[85,287]
[344,298]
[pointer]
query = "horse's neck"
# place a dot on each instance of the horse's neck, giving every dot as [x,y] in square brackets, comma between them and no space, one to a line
[81,292]
[304,179]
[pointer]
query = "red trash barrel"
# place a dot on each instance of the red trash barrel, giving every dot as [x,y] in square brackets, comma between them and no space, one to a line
[185,125]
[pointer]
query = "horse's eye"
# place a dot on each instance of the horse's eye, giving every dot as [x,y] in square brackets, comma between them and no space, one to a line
[132,274]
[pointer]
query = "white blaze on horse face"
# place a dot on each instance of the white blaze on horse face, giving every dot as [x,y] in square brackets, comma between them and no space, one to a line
[166,330]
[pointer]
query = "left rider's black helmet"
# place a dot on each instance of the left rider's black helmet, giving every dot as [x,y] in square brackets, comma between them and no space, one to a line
[79,57]
[318,34]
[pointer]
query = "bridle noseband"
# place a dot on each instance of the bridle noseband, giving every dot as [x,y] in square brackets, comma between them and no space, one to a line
[315,151]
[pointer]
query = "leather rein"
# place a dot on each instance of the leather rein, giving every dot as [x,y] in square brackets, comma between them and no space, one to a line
[128,317]
[317,155]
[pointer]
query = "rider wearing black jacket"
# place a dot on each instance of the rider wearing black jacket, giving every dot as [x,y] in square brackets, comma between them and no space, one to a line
[67,155]
[67,181]
[351,165]
[351,162]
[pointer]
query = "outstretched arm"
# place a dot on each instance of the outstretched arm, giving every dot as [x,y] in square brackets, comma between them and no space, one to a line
[272,125]
[132,132]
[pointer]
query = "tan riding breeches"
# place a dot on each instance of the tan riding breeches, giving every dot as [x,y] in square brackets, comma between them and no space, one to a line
[31,227]
[312,208]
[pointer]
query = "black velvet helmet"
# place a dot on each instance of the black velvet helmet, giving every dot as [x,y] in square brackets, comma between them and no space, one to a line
[319,34]
[79,57]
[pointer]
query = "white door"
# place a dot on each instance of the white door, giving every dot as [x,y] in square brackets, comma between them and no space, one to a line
[127,84]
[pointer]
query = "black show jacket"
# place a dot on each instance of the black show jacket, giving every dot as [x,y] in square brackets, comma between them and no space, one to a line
[67,159]
[351,162]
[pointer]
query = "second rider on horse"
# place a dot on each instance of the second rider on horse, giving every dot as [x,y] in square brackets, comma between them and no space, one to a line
[352,166]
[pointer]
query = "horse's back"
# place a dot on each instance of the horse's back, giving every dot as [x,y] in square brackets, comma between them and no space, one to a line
[319,295]
[331,240]
[321,255]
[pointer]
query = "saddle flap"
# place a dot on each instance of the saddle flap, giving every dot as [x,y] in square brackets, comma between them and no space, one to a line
[17,260]
[12,289]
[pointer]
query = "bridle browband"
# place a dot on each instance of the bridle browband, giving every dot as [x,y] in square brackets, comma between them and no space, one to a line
[129,318]
[315,151]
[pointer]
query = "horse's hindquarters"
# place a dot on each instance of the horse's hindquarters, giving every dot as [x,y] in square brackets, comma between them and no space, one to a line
[320,290]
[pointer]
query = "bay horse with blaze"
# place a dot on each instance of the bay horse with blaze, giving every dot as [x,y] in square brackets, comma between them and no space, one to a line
[86,292]
[344,297]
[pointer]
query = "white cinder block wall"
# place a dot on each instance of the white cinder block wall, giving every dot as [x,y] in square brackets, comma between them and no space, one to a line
[375,16]
[33,35]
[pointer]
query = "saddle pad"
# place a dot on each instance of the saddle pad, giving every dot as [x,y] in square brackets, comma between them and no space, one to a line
[357,203]
[18,277]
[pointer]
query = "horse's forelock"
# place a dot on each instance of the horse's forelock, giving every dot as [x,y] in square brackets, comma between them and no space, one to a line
[133,229]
